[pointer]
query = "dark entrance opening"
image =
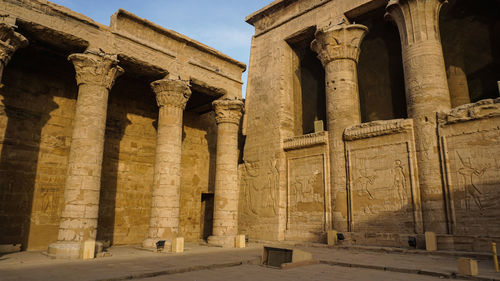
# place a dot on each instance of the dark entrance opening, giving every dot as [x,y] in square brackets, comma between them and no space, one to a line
[207,215]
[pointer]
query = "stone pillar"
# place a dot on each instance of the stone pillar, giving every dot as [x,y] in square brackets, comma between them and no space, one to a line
[338,49]
[95,76]
[426,93]
[171,96]
[10,41]
[225,226]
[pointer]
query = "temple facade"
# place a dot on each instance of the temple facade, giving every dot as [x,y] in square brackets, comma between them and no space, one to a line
[378,119]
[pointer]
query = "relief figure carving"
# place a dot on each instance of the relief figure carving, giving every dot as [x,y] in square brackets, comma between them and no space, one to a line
[399,182]
[364,181]
[471,190]
[261,193]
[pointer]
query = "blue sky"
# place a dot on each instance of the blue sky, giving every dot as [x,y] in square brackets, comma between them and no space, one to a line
[217,23]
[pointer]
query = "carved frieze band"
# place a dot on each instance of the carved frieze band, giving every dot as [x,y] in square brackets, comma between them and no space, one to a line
[378,128]
[339,42]
[228,110]
[96,68]
[482,109]
[304,141]
[10,41]
[171,92]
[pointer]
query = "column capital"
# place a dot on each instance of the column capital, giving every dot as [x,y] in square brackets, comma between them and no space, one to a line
[96,68]
[417,20]
[10,41]
[228,110]
[339,42]
[171,92]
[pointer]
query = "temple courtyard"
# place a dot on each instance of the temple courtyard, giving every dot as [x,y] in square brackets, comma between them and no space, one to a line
[201,262]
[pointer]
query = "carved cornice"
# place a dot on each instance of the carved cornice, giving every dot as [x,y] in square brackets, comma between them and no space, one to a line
[171,92]
[96,68]
[10,41]
[228,110]
[378,128]
[417,20]
[339,42]
[304,141]
[480,110]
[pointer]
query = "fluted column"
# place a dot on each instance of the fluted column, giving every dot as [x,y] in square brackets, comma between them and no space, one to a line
[10,41]
[171,96]
[338,49]
[225,224]
[426,93]
[95,75]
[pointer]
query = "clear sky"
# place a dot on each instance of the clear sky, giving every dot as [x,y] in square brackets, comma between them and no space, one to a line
[217,23]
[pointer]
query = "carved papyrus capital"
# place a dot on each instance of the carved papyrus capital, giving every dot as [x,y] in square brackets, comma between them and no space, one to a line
[171,92]
[417,20]
[228,110]
[10,41]
[96,68]
[339,42]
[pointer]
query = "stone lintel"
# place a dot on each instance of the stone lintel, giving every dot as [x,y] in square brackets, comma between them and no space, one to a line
[377,128]
[96,68]
[228,110]
[339,42]
[482,109]
[304,141]
[171,92]
[10,41]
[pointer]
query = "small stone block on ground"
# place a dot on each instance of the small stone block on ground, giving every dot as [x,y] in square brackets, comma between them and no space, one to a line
[239,241]
[430,241]
[87,250]
[467,266]
[178,245]
[332,238]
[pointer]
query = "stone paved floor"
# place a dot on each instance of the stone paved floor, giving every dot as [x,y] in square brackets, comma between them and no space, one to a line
[208,263]
[310,273]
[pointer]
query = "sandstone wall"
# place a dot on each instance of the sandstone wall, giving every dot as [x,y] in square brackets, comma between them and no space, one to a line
[37,102]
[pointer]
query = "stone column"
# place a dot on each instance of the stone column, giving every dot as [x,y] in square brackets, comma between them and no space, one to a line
[95,76]
[338,49]
[171,96]
[426,93]
[225,226]
[10,41]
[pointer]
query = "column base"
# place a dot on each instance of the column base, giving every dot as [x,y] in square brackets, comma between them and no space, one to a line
[222,241]
[64,250]
[150,243]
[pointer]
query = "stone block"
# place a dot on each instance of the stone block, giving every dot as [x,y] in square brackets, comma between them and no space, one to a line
[318,126]
[87,250]
[239,241]
[467,266]
[430,241]
[10,248]
[178,245]
[332,238]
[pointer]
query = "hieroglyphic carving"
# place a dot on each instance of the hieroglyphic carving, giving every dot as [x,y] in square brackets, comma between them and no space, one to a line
[261,186]
[306,192]
[471,189]
[400,182]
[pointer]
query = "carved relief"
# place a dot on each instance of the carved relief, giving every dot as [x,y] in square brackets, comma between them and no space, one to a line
[306,195]
[470,175]
[261,186]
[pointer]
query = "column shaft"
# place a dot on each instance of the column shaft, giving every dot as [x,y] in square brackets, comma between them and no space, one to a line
[338,50]
[96,73]
[426,94]
[225,224]
[172,96]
